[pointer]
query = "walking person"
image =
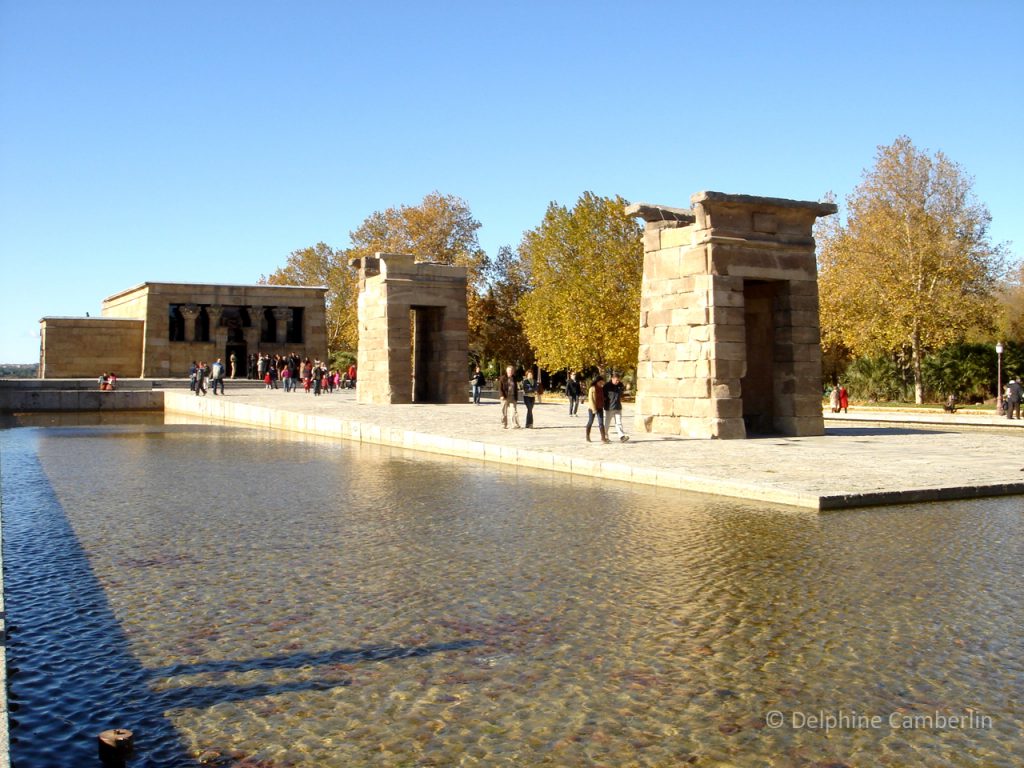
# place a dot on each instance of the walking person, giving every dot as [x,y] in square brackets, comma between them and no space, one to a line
[509,393]
[833,399]
[613,405]
[217,376]
[595,407]
[201,379]
[478,381]
[572,391]
[844,399]
[529,393]
[1014,395]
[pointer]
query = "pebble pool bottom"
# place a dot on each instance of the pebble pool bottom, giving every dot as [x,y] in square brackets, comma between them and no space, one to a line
[243,598]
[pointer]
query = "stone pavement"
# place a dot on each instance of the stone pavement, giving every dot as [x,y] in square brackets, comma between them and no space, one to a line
[854,464]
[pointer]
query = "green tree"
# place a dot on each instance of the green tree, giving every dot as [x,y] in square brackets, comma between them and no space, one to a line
[323,265]
[965,370]
[874,378]
[913,267]
[585,265]
[440,229]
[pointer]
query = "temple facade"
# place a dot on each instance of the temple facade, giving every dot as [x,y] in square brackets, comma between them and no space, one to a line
[155,330]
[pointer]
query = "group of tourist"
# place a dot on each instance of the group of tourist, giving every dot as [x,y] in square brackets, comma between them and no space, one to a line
[839,399]
[316,376]
[203,376]
[107,381]
[604,400]
[287,372]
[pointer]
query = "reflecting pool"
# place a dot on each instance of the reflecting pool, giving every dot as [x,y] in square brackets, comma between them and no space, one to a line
[242,598]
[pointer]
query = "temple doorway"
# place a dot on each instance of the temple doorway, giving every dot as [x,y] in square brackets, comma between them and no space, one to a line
[238,349]
[757,386]
[426,324]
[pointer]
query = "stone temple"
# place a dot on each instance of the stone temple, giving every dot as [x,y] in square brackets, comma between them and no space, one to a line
[730,343]
[155,330]
[413,331]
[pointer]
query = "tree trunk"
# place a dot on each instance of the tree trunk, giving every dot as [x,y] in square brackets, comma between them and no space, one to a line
[915,361]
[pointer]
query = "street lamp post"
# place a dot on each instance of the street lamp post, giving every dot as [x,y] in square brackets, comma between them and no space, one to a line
[999,379]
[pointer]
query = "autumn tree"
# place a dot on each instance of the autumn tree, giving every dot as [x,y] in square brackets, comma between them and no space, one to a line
[440,229]
[502,337]
[1010,298]
[585,266]
[912,268]
[323,265]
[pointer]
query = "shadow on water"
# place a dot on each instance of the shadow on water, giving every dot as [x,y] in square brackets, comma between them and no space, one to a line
[296,660]
[72,673]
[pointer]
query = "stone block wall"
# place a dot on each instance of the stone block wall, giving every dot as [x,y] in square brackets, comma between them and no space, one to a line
[730,302]
[133,335]
[411,313]
[85,347]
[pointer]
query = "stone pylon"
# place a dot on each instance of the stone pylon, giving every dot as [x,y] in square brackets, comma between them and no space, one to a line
[729,335]
[413,331]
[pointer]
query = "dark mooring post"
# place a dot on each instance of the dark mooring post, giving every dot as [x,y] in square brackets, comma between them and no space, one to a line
[115,747]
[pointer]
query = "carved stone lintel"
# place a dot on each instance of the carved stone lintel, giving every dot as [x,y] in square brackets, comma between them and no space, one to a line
[652,213]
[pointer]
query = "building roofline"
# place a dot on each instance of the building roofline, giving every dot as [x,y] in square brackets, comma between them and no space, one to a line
[261,286]
[101,318]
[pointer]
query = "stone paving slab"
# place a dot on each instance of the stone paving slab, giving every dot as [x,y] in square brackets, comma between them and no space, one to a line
[853,464]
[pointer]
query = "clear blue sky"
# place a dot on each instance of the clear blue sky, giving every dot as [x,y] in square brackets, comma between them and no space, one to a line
[204,141]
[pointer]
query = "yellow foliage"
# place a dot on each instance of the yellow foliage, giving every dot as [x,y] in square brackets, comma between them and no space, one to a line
[585,266]
[323,265]
[913,267]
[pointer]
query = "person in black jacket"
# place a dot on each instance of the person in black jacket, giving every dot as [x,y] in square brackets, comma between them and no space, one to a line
[572,391]
[478,381]
[529,393]
[613,405]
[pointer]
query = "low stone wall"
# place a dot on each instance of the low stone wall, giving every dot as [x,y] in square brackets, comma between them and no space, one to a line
[20,400]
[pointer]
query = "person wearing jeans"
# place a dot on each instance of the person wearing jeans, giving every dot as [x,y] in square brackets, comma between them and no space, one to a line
[529,393]
[509,392]
[595,407]
[613,404]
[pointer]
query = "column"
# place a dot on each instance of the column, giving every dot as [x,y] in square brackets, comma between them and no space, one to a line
[190,313]
[281,317]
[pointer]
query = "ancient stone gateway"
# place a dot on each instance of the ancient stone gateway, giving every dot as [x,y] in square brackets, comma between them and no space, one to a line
[729,336]
[413,331]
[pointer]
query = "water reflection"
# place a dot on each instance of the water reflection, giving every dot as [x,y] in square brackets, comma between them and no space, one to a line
[314,603]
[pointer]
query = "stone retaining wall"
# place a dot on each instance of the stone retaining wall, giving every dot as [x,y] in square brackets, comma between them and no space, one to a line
[16,400]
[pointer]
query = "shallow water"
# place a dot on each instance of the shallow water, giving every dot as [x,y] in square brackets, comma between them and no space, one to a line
[242,598]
